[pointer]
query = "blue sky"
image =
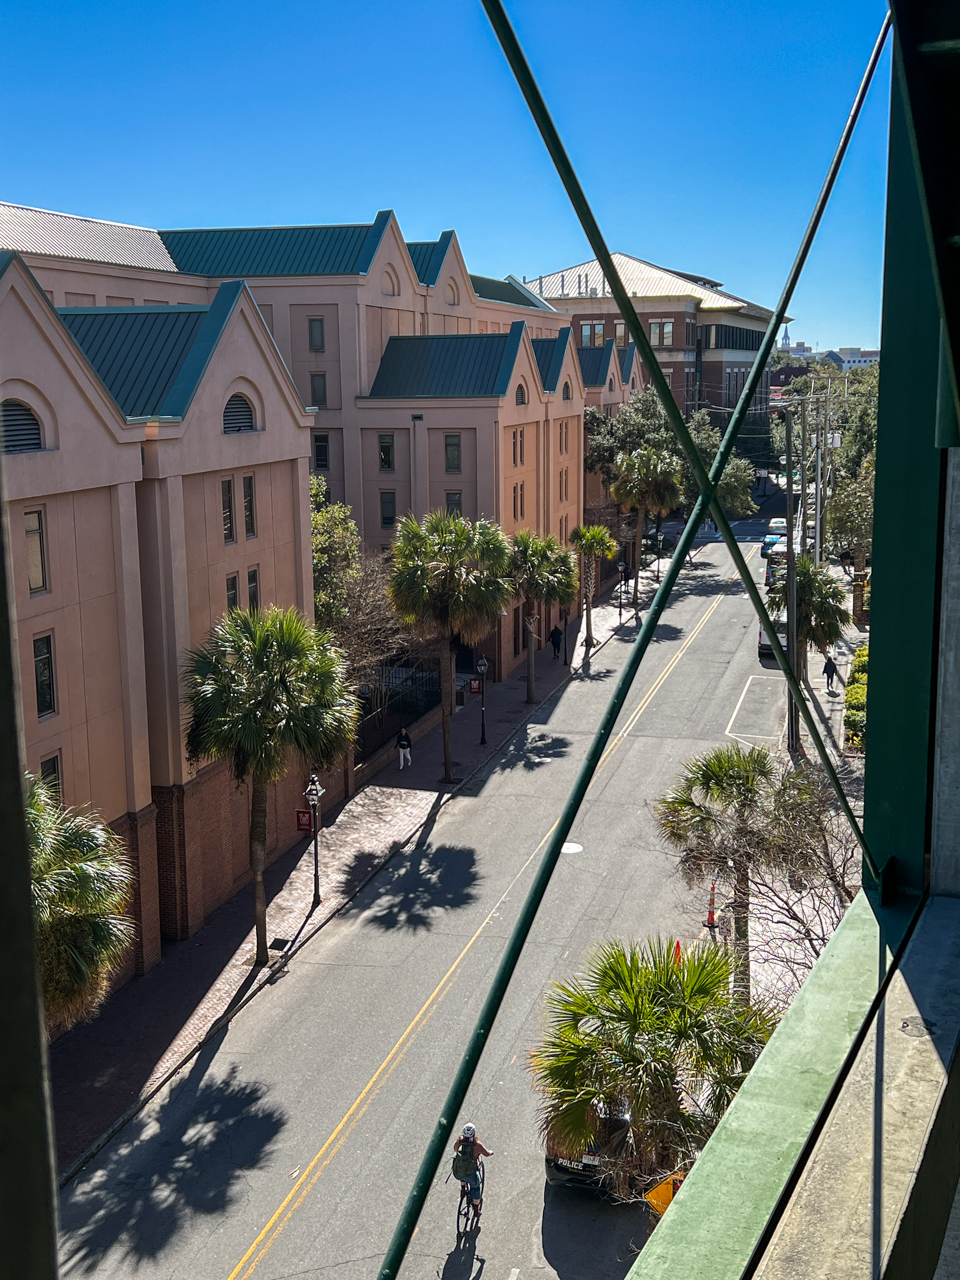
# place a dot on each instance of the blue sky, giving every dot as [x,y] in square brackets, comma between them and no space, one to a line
[701,132]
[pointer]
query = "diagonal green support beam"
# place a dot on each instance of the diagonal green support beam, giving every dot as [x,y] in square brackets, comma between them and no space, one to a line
[706,483]
[443,1130]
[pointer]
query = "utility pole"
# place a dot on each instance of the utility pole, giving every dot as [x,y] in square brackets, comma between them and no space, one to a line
[793,711]
[803,477]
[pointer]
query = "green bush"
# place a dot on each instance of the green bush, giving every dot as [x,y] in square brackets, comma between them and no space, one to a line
[861,659]
[857,677]
[856,697]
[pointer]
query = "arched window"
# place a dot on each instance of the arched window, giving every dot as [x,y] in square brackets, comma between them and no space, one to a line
[390,283]
[566,391]
[452,293]
[521,394]
[610,385]
[633,384]
[238,415]
[19,429]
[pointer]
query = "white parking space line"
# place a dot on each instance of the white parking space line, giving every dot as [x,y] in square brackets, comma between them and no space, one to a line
[750,739]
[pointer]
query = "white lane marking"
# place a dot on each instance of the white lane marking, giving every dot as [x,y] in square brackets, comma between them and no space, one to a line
[755,736]
[514,1273]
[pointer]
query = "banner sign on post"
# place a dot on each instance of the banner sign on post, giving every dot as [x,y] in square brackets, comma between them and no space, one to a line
[304,820]
[474,684]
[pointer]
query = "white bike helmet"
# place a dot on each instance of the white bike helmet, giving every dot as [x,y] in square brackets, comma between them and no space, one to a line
[469,1131]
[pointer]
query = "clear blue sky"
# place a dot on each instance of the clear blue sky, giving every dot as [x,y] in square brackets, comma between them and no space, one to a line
[701,131]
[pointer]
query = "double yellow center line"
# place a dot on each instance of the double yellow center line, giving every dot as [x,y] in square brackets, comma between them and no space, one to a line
[314,1170]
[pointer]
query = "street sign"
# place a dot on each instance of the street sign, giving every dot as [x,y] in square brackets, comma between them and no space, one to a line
[661,1196]
[474,684]
[304,820]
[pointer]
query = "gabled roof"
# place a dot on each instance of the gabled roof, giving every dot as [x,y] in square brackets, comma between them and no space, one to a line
[427,257]
[276,251]
[509,290]
[595,363]
[644,280]
[549,353]
[62,235]
[448,365]
[627,356]
[151,359]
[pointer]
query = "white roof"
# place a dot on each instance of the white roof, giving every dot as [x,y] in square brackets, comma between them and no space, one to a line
[642,280]
[64,236]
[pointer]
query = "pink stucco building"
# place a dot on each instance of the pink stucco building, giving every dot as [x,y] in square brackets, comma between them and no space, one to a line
[165,396]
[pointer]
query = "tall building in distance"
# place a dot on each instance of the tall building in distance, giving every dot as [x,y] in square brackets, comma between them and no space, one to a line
[704,337]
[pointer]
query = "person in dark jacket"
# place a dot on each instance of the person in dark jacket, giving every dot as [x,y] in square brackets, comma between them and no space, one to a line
[830,671]
[403,746]
[556,639]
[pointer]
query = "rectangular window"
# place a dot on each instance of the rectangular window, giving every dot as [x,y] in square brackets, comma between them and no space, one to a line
[318,389]
[455,504]
[226,494]
[50,773]
[668,376]
[249,508]
[522,504]
[233,592]
[316,333]
[654,333]
[253,588]
[521,446]
[321,452]
[566,437]
[621,333]
[388,509]
[386,453]
[451,449]
[36,561]
[514,448]
[566,484]
[560,488]
[668,333]
[598,335]
[586,330]
[516,631]
[43,674]
[516,509]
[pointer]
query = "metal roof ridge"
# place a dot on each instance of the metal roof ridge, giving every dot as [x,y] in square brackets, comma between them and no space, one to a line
[78,217]
[509,357]
[180,395]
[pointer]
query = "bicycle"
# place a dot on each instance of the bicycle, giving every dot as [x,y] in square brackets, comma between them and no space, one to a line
[468,1213]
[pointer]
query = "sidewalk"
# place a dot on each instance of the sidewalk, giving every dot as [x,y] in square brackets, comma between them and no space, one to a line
[101,1069]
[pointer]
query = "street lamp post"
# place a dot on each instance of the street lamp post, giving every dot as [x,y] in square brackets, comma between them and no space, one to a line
[483,666]
[621,566]
[312,796]
[566,619]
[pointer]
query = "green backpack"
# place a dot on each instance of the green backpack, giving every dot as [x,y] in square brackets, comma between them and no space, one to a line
[464,1162]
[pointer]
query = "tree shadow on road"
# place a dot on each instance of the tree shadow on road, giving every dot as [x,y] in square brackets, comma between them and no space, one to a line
[168,1167]
[414,888]
[586,1237]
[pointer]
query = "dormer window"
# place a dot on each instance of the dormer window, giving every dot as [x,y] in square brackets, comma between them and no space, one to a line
[19,428]
[238,416]
[521,394]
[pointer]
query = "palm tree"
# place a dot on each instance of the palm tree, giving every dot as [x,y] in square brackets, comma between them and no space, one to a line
[592,541]
[721,816]
[544,573]
[822,613]
[262,684]
[449,578]
[648,480]
[82,884]
[642,1054]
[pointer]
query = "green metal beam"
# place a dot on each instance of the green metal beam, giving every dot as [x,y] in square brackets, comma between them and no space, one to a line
[707,501]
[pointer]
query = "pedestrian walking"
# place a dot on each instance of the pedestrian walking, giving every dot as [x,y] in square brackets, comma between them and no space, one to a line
[556,639]
[846,562]
[403,746]
[830,671]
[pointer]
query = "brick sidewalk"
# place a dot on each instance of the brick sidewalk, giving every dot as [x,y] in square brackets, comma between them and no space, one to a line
[100,1069]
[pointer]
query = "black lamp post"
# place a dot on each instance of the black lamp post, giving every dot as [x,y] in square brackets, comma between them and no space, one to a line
[312,796]
[622,568]
[566,617]
[483,666]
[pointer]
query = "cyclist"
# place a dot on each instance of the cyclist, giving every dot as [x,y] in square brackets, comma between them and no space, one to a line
[470,1146]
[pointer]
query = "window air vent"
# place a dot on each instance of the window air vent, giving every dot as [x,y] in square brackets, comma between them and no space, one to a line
[19,429]
[238,415]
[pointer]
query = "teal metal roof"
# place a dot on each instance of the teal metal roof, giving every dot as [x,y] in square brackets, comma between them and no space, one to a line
[509,290]
[276,251]
[549,354]
[595,363]
[151,359]
[627,357]
[448,366]
[427,257]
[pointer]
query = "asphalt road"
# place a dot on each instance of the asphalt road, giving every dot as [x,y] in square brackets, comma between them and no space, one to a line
[290,1145]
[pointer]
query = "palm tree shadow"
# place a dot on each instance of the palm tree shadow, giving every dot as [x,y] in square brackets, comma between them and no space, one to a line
[586,1235]
[182,1162]
[411,891]
[665,632]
